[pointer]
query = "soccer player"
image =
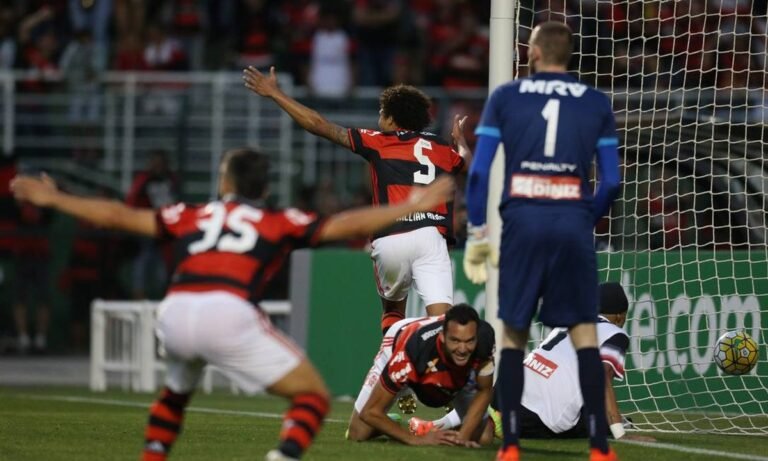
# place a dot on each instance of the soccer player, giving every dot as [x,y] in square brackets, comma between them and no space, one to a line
[446,359]
[226,252]
[401,156]
[552,404]
[551,126]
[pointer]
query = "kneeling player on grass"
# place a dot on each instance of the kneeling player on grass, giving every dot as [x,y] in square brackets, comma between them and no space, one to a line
[445,359]
[227,250]
[552,404]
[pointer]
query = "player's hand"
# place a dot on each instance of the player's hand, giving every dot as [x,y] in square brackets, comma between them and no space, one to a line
[263,85]
[40,191]
[437,193]
[477,252]
[467,443]
[438,437]
[457,132]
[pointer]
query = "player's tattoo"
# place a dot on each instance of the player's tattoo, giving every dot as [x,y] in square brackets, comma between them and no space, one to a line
[339,135]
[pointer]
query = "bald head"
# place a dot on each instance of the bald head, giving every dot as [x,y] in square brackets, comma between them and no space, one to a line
[551,45]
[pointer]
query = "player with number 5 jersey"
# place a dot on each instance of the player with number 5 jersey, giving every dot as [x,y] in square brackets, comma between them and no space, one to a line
[402,155]
[552,128]
[226,251]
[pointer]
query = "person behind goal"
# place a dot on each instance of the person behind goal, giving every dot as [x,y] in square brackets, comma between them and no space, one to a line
[226,252]
[402,155]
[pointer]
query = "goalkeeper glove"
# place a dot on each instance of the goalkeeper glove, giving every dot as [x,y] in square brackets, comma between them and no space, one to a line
[477,251]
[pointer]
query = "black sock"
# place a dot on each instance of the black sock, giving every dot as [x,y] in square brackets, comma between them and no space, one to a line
[592,381]
[509,393]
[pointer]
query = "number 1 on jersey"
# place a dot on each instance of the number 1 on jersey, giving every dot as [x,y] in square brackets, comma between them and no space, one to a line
[418,152]
[551,114]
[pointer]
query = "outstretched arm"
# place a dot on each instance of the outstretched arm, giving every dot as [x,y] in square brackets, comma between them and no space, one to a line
[42,192]
[365,221]
[307,118]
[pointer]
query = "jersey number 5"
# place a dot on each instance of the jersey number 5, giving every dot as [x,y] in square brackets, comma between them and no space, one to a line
[551,114]
[418,152]
[243,235]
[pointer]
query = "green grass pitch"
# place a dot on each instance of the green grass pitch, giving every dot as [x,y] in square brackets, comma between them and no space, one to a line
[74,424]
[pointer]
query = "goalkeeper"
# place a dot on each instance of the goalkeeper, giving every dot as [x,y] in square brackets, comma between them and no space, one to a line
[552,127]
[552,404]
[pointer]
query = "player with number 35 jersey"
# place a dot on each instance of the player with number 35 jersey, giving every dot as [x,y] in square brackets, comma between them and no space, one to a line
[401,155]
[226,252]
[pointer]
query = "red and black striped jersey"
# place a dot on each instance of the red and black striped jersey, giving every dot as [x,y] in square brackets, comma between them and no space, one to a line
[400,160]
[419,361]
[232,245]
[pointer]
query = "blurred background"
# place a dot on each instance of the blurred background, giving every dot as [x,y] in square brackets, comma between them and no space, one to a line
[137,99]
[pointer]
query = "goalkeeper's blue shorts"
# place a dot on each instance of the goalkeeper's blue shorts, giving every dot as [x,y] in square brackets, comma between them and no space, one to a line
[547,253]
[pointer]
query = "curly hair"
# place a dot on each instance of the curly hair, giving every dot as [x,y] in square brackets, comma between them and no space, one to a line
[408,106]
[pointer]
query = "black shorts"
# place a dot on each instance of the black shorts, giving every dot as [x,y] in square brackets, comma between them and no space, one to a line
[531,427]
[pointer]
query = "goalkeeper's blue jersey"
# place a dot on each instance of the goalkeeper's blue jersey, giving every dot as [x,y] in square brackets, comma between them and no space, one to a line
[551,126]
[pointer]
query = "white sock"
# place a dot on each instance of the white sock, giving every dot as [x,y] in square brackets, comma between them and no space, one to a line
[40,341]
[448,421]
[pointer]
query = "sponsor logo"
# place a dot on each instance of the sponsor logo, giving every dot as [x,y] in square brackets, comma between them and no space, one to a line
[547,166]
[540,365]
[576,90]
[399,376]
[545,187]
[431,333]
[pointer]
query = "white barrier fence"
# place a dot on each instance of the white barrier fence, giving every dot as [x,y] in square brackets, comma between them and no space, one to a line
[123,343]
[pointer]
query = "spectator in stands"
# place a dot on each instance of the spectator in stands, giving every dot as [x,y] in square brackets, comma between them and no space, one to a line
[298,21]
[93,16]
[82,64]
[8,21]
[31,263]
[130,54]
[38,49]
[187,23]
[154,188]
[90,274]
[163,53]
[458,56]
[129,17]
[220,23]
[255,35]
[330,67]
[377,24]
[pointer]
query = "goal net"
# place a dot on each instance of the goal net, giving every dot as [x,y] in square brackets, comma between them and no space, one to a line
[687,236]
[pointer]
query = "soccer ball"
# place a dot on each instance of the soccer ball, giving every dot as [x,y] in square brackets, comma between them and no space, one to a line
[736,353]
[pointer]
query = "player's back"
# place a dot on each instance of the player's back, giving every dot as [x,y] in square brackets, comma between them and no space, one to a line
[232,245]
[552,387]
[550,125]
[401,160]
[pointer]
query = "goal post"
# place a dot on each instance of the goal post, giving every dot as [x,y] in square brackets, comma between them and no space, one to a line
[687,236]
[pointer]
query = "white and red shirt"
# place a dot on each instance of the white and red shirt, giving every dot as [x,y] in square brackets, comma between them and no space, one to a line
[552,389]
[232,245]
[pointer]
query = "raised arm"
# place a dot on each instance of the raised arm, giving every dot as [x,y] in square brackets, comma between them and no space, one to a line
[457,133]
[362,222]
[42,192]
[307,118]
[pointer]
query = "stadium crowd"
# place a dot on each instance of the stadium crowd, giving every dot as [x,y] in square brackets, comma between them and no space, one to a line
[333,45]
